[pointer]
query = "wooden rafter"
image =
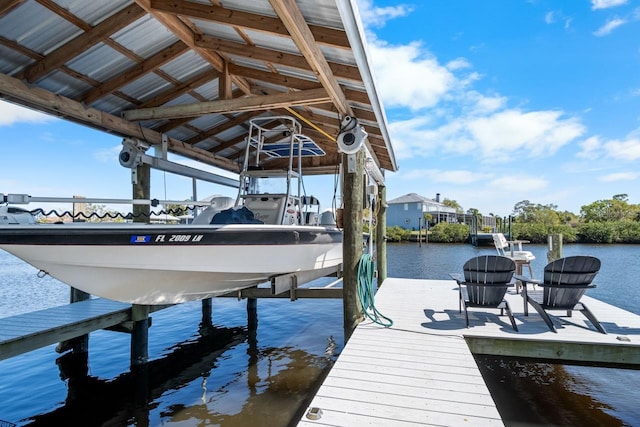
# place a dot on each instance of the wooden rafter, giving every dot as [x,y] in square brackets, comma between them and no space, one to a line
[270,55]
[302,36]
[184,33]
[234,121]
[79,44]
[7,6]
[43,100]
[247,20]
[180,89]
[267,102]
[139,70]
[254,72]
[273,78]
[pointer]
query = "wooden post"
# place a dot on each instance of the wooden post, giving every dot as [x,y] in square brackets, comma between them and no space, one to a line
[139,335]
[252,314]
[381,235]
[206,325]
[352,172]
[142,190]
[555,247]
[78,344]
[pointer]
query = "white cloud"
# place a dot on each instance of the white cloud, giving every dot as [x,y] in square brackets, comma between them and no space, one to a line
[460,177]
[554,16]
[11,114]
[458,64]
[605,4]
[590,148]
[478,104]
[620,176]
[108,155]
[550,17]
[498,136]
[397,65]
[609,26]
[533,134]
[378,16]
[451,117]
[521,184]
[628,150]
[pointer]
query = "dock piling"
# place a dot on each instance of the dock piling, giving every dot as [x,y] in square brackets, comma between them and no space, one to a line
[139,335]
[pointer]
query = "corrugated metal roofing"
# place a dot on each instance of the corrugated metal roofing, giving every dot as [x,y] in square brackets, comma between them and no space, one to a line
[116,56]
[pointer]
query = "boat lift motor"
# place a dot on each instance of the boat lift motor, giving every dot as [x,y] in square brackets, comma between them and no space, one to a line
[351,136]
[133,154]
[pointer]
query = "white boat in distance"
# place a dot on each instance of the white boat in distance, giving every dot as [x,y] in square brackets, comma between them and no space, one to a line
[229,246]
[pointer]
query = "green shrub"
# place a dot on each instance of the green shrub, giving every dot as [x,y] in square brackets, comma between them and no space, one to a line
[449,233]
[597,232]
[397,234]
[627,232]
[609,232]
[538,232]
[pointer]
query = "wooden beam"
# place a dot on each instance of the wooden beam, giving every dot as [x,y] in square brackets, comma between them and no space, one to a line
[235,121]
[184,33]
[40,99]
[266,102]
[182,88]
[7,6]
[273,78]
[139,70]
[295,22]
[81,43]
[224,83]
[328,36]
[592,352]
[275,56]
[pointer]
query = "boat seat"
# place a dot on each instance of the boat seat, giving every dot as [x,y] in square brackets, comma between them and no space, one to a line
[270,208]
[218,204]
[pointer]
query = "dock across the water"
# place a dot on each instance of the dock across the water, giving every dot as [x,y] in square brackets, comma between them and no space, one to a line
[421,371]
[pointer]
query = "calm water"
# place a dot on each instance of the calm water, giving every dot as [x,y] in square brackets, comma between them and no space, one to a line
[231,377]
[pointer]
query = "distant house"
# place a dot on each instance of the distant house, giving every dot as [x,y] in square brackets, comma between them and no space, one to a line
[408,211]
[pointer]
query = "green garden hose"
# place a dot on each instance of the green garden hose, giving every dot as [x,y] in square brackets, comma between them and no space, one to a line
[366,292]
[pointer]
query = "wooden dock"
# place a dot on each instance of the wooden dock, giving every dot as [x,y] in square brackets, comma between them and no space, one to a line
[421,371]
[29,331]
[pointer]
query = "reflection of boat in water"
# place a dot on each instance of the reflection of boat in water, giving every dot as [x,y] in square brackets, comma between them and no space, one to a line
[229,246]
[218,379]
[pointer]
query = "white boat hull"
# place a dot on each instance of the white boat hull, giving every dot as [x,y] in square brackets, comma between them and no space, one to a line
[160,271]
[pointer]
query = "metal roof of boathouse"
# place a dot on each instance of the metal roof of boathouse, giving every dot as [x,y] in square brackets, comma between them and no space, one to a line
[196,71]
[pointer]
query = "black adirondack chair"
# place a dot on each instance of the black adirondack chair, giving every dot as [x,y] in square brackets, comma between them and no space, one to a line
[565,281]
[485,282]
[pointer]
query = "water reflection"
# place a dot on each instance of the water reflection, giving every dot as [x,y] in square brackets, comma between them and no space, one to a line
[546,394]
[275,383]
[128,398]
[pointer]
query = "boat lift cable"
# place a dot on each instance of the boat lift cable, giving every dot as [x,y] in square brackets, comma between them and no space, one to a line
[366,292]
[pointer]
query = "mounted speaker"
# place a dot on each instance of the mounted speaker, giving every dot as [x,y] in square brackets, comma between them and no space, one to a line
[351,136]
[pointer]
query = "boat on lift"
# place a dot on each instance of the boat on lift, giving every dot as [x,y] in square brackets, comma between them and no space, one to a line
[231,245]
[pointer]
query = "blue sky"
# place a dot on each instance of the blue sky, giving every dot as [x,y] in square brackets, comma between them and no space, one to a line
[488,103]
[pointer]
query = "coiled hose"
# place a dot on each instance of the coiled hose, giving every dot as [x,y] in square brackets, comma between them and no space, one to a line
[366,292]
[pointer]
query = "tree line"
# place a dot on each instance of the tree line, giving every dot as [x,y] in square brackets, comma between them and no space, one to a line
[613,220]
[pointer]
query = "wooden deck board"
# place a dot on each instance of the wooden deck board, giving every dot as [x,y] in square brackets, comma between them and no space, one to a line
[421,371]
[29,331]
